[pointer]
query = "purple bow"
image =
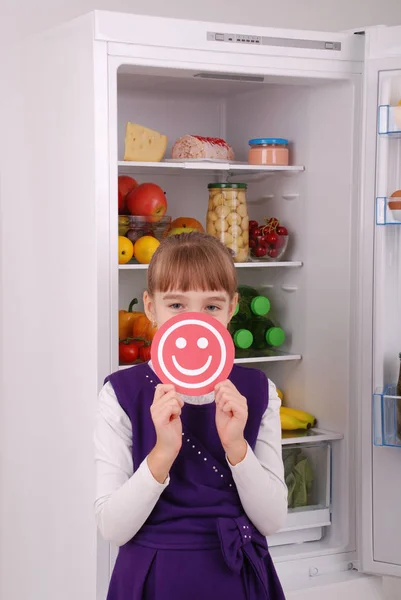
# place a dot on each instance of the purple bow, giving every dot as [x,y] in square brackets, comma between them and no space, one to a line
[243,546]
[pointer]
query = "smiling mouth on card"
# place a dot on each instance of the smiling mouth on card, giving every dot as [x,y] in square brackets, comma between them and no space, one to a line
[191,372]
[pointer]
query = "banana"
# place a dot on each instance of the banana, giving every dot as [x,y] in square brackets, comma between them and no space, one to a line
[301,415]
[290,423]
[293,419]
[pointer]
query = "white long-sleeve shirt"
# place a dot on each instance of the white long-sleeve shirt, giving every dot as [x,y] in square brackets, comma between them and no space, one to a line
[125,499]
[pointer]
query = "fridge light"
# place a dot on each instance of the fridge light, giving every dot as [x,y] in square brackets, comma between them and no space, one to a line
[231,77]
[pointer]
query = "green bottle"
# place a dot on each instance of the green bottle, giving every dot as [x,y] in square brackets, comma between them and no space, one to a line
[251,304]
[266,334]
[242,337]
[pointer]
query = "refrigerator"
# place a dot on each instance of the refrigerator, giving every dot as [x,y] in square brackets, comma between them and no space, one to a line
[337,294]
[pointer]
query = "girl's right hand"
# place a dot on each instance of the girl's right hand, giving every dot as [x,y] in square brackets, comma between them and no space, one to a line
[165,412]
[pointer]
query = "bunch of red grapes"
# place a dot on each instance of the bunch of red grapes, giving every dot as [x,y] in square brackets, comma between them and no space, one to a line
[269,240]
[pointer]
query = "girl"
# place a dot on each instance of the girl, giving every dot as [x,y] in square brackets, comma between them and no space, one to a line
[189,487]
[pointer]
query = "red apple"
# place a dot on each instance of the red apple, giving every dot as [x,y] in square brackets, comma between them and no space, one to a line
[125,185]
[121,203]
[147,200]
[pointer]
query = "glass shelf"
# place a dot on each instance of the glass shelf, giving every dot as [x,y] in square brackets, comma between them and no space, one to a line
[389,120]
[216,168]
[273,356]
[384,215]
[266,355]
[387,417]
[248,265]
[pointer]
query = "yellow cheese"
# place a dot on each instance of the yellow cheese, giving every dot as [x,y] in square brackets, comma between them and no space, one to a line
[143,144]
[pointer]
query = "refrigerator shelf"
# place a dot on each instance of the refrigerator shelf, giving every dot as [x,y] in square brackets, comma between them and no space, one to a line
[384,215]
[276,356]
[248,265]
[387,417]
[311,436]
[217,168]
[265,356]
[389,120]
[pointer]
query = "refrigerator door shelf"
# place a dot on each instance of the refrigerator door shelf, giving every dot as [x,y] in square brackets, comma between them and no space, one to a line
[387,417]
[389,120]
[384,215]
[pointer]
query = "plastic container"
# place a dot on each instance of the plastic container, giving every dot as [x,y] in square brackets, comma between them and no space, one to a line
[227,217]
[135,227]
[268,151]
[386,406]
[395,207]
[307,471]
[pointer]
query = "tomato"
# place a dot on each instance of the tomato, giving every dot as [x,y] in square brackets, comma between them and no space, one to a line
[128,352]
[282,230]
[144,353]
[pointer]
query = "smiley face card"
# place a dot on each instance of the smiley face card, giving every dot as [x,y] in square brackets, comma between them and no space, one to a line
[194,352]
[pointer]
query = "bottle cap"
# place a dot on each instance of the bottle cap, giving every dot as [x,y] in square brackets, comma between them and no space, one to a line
[275,336]
[260,306]
[243,338]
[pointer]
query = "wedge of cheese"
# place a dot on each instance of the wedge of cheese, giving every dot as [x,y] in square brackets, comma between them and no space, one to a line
[143,144]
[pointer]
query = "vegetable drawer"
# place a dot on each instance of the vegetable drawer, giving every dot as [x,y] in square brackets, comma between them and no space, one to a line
[307,468]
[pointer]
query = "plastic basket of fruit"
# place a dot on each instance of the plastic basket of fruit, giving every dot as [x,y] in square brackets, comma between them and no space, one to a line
[267,241]
[135,227]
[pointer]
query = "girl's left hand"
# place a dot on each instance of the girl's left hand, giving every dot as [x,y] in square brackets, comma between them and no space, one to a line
[231,418]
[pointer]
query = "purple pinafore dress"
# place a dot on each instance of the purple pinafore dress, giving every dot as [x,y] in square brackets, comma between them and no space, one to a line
[198,543]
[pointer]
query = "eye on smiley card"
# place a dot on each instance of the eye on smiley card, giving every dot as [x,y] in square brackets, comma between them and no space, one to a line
[194,352]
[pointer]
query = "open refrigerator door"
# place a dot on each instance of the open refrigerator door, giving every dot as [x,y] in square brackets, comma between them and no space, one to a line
[379,466]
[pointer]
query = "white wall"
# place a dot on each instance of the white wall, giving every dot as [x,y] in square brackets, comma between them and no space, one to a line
[18,16]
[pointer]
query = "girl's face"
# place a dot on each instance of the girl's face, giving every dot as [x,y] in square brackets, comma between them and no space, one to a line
[164,305]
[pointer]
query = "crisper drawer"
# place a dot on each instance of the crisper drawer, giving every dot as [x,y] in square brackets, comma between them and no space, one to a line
[387,417]
[308,477]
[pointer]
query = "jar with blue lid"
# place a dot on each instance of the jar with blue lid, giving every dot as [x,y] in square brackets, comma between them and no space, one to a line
[268,151]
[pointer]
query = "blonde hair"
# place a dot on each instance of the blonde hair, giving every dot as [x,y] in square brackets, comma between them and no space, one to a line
[192,261]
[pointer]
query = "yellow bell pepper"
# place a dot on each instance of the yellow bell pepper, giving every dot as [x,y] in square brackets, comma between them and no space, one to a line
[126,320]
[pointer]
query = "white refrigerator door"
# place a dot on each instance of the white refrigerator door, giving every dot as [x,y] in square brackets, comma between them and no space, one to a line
[379,468]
